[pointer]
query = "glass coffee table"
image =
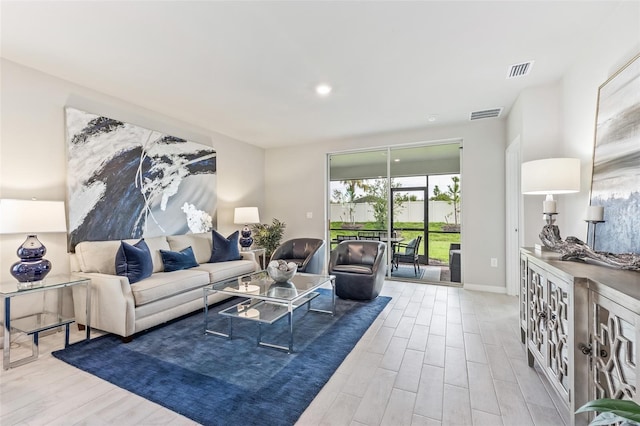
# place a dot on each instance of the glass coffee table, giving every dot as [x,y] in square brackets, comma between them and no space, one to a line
[266,301]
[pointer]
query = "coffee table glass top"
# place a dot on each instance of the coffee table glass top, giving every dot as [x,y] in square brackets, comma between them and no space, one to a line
[260,285]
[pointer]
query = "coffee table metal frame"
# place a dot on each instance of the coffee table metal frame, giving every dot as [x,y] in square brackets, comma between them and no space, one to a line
[264,305]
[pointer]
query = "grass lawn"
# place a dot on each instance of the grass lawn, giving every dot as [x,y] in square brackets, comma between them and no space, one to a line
[438,242]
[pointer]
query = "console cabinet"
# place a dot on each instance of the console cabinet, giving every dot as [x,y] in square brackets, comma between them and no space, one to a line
[581,326]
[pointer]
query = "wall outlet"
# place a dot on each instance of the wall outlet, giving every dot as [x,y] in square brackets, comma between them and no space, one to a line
[494,262]
[309,215]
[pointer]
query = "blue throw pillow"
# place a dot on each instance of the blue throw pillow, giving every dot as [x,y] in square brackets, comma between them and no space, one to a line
[134,261]
[177,260]
[225,249]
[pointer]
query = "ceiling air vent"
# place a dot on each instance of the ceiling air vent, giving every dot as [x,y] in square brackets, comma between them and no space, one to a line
[487,113]
[519,70]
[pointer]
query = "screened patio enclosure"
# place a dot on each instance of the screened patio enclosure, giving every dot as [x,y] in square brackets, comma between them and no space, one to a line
[407,196]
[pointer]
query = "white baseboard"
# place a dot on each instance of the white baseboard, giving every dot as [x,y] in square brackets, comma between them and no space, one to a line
[486,288]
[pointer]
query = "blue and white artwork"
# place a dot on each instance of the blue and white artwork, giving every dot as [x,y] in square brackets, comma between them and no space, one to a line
[125,181]
[616,162]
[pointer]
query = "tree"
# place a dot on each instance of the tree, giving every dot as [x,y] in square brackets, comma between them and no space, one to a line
[438,195]
[453,193]
[378,195]
[348,197]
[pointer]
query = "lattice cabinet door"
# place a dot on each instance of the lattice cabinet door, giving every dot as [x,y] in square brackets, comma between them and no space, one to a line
[615,332]
[558,333]
[536,315]
[524,269]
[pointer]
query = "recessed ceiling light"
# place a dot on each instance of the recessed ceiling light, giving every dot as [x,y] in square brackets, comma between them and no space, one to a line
[323,89]
[432,118]
[397,160]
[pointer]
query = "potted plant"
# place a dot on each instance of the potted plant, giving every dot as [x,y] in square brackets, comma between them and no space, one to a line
[268,236]
[612,411]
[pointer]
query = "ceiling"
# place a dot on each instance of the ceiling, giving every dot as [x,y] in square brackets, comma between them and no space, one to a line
[248,69]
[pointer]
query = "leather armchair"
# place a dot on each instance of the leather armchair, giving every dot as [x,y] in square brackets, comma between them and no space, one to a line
[360,268]
[307,253]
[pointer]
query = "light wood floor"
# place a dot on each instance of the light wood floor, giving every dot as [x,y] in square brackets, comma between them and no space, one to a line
[435,356]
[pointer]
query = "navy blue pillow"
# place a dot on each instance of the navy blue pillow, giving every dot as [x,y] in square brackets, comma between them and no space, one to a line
[177,260]
[225,249]
[134,261]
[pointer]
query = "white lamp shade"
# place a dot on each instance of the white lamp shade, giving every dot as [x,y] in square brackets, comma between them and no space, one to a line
[31,216]
[551,176]
[246,215]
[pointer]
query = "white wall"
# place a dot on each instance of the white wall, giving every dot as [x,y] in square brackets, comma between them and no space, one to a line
[33,151]
[536,118]
[296,184]
[614,44]
[559,119]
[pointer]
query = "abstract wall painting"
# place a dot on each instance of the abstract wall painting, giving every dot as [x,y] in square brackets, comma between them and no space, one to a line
[616,161]
[125,181]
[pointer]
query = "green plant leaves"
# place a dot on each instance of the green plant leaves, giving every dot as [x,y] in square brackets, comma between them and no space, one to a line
[268,236]
[613,411]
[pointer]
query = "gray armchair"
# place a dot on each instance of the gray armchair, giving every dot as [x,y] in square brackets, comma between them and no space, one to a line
[307,253]
[359,267]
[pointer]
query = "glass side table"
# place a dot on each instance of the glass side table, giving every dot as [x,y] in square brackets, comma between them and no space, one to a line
[42,321]
[258,251]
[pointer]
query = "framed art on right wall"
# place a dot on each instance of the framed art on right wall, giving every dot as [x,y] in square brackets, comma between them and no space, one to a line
[616,161]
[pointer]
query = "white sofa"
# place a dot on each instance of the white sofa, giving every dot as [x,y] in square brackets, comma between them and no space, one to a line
[125,309]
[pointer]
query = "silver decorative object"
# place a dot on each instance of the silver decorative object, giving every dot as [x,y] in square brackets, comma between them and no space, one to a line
[574,249]
[280,271]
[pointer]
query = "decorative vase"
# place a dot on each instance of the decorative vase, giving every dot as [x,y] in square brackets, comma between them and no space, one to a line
[246,240]
[32,267]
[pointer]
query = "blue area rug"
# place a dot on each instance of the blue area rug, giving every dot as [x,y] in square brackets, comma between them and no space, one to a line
[216,381]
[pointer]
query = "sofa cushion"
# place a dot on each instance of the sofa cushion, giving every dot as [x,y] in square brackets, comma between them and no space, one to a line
[155,245]
[223,270]
[177,260]
[225,249]
[353,268]
[200,243]
[166,284]
[99,256]
[134,261]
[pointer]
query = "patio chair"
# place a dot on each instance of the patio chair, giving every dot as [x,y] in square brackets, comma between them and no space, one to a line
[454,262]
[369,235]
[409,254]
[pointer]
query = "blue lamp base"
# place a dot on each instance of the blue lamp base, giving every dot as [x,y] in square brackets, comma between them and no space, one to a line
[31,267]
[246,240]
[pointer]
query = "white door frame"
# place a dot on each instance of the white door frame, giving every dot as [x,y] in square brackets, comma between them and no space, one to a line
[513,203]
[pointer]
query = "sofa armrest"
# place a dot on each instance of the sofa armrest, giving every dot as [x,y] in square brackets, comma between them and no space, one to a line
[249,255]
[112,303]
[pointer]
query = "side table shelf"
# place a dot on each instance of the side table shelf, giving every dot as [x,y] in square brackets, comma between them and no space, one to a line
[36,323]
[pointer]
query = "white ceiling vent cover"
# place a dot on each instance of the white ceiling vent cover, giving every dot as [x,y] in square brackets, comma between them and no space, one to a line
[487,113]
[519,70]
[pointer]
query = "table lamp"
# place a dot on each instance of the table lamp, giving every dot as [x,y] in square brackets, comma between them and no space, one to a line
[31,217]
[548,177]
[246,216]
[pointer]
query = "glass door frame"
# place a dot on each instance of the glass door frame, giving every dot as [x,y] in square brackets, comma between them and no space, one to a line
[388,150]
[423,259]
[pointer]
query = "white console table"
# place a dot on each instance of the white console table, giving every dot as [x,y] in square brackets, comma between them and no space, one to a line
[41,321]
[581,324]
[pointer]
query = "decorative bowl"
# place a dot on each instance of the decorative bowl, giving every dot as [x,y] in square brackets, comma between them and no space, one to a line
[281,271]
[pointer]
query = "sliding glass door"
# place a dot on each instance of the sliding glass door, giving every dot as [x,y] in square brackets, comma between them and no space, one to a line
[408,197]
